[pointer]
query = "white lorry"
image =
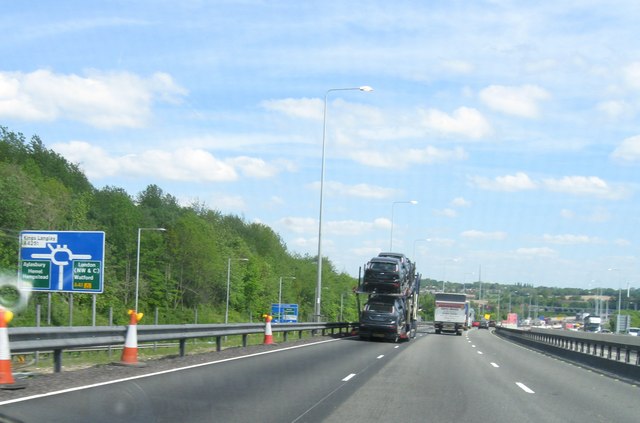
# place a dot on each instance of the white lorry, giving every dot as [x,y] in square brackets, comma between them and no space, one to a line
[450,313]
[592,324]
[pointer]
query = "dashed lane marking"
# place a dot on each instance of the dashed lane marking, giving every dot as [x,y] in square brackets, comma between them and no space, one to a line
[525,388]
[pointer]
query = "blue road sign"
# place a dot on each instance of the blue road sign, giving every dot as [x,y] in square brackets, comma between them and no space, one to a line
[284,313]
[66,261]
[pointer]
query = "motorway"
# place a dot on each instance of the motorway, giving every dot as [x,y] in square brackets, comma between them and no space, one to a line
[439,378]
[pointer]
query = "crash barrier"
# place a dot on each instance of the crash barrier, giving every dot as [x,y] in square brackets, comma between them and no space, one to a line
[59,339]
[610,353]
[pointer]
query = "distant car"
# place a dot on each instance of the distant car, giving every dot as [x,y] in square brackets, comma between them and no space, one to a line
[492,323]
[634,331]
[475,324]
[484,324]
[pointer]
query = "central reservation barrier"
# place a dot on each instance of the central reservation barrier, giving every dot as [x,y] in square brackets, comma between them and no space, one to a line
[614,354]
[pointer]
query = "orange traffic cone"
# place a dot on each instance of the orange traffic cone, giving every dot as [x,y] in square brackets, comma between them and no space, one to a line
[6,377]
[130,350]
[268,335]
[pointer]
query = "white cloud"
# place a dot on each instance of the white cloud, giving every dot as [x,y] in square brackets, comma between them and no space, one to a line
[518,101]
[100,99]
[446,213]
[357,190]
[570,239]
[628,151]
[382,223]
[460,202]
[567,214]
[487,236]
[584,185]
[299,225]
[632,75]
[183,164]
[252,167]
[228,202]
[302,225]
[574,185]
[458,66]
[622,242]
[536,251]
[347,227]
[427,155]
[518,182]
[614,109]
[463,121]
[306,108]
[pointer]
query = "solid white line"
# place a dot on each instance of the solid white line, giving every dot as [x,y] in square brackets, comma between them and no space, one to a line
[380,356]
[79,388]
[495,365]
[346,379]
[525,388]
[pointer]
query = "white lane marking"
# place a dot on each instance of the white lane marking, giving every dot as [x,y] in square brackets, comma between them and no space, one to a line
[525,388]
[162,372]
[473,346]
[380,356]
[346,379]
[495,365]
[480,352]
[397,346]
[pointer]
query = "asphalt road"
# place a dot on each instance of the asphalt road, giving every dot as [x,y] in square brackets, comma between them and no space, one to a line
[439,378]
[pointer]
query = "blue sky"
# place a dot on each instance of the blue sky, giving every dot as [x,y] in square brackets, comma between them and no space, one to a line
[514,125]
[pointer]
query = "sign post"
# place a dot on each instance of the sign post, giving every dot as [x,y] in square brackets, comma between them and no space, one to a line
[66,261]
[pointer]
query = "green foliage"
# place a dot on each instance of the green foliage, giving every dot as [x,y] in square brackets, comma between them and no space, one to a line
[183,271]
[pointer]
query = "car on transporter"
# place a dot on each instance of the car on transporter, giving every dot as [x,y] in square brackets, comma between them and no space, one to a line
[383,317]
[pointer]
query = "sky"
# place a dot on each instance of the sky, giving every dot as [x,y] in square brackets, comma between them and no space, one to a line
[514,125]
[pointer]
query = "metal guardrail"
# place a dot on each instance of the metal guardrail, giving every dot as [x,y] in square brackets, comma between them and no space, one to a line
[59,339]
[617,354]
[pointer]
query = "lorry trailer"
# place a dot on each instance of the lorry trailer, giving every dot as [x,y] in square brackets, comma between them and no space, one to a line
[450,312]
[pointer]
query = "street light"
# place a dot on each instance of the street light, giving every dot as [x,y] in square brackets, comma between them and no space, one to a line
[392,205]
[226,311]
[280,297]
[138,261]
[365,88]
[619,301]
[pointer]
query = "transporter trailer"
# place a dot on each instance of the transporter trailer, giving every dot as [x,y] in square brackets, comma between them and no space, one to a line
[389,314]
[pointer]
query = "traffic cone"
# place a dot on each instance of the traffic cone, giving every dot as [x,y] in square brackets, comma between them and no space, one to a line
[6,377]
[268,335]
[130,350]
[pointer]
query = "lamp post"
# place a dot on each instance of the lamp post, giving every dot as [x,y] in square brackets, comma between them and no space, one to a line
[619,301]
[280,297]
[392,206]
[226,311]
[138,262]
[324,134]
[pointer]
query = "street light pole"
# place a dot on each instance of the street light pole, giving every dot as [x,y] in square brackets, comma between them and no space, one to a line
[392,205]
[226,311]
[280,297]
[138,262]
[324,134]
